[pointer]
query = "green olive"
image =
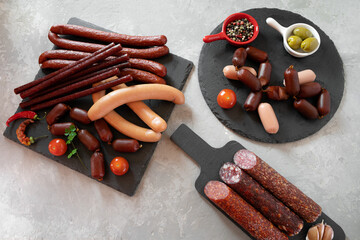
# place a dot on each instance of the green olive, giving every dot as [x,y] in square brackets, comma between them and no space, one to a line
[302,32]
[309,44]
[294,42]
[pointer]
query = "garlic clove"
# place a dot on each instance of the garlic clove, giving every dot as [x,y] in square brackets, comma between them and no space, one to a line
[328,233]
[313,234]
[320,228]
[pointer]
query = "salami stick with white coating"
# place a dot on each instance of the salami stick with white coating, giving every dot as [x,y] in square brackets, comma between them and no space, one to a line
[274,210]
[281,188]
[242,212]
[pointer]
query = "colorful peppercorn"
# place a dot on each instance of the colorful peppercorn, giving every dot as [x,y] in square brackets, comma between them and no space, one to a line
[240,30]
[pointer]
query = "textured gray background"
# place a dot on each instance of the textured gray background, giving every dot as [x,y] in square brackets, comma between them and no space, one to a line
[40,199]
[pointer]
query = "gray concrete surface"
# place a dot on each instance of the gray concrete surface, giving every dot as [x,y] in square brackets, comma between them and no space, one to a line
[40,199]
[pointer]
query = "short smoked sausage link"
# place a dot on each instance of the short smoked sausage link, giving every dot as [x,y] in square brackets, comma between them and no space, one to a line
[79,115]
[142,76]
[239,57]
[247,78]
[56,113]
[146,53]
[123,39]
[264,73]
[324,102]
[306,109]
[126,145]
[97,165]
[242,212]
[103,130]
[274,210]
[252,101]
[281,188]
[277,93]
[256,54]
[58,129]
[89,141]
[148,65]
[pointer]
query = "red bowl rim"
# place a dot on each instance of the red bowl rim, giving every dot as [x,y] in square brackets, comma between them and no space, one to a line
[239,15]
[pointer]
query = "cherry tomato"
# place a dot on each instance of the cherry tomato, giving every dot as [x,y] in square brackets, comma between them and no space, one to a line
[57,147]
[226,98]
[119,166]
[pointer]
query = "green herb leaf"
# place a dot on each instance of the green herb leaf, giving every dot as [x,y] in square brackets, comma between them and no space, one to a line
[73,152]
[70,132]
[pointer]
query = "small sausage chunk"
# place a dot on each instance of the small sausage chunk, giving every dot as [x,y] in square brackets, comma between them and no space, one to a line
[306,109]
[323,104]
[58,129]
[80,115]
[239,57]
[256,54]
[309,89]
[56,113]
[247,78]
[265,73]
[89,141]
[268,118]
[292,84]
[97,165]
[126,145]
[252,101]
[103,130]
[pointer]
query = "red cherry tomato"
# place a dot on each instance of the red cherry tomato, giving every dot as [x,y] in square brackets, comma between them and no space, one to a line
[57,147]
[119,166]
[226,98]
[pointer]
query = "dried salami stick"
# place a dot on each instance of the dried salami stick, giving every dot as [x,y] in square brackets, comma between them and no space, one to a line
[123,39]
[281,188]
[62,54]
[146,53]
[40,80]
[242,212]
[71,87]
[81,64]
[274,210]
[68,82]
[83,93]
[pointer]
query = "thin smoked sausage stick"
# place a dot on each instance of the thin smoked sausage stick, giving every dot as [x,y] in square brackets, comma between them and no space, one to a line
[80,31]
[80,65]
[62,54]
[279,186]
[146,53]
[83,93]
[40,80]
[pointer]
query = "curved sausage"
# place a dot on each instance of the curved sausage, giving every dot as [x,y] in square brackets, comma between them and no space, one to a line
[62,54]
[124,39]
[147,53]
[153,120]
[148,65]
[125,127]
[103,130]
[242,212]
[279,186]
[79,115]
[142,76]
[274,210]
[56,113]
[56,63]
[268,118]
[119,97]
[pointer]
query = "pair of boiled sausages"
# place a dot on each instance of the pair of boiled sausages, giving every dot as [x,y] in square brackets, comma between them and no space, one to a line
[104,106]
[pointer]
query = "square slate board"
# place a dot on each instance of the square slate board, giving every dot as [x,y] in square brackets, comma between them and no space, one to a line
[178,70]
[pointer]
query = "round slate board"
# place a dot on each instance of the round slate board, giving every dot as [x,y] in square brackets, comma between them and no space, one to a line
[326,63]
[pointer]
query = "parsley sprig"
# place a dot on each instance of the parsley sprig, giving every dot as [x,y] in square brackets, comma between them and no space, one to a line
[70,132]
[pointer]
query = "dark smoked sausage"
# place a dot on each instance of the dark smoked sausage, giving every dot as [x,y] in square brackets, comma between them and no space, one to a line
[148,65]
[103,130]
[142,76]
[94,34]
[89,140]
[97,165]
[56,113]
[79,115]
[242,212]
[274,210]
[281,188]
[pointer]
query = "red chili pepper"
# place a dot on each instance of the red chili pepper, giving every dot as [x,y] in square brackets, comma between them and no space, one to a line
[23,114]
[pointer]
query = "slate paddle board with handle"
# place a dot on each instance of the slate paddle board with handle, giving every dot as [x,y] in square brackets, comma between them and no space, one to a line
[210,161]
